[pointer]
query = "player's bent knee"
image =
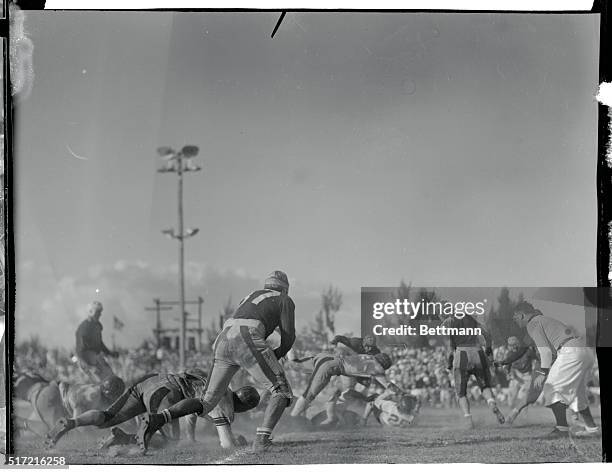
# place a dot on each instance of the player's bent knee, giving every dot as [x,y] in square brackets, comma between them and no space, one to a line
[280,399]
[283,391]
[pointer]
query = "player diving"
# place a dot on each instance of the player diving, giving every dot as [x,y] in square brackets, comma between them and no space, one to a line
[155,393]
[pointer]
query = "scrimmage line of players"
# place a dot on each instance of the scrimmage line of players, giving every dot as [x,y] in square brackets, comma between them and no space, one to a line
[241,344]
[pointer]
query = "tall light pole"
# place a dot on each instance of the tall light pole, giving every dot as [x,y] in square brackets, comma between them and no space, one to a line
[180,163]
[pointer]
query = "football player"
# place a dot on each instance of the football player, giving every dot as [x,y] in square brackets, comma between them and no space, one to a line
[564,381]
[90,349]
[354,345]
[466,358]
[326,365]
[242,344]
[51,401]
[521,360]
[156,393]
[393,408]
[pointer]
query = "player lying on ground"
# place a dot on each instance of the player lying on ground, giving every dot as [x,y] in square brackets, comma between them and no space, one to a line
[326,365]
[242,344]
[564,381]
[352,408]
[466,358]
[521,361]
[158,392]
[50,401]
[393,408]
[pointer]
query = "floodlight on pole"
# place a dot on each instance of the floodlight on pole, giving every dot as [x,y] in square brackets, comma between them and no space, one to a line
[189,151]
[175,162]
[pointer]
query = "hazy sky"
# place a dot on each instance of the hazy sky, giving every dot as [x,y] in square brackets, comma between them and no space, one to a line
[353,149]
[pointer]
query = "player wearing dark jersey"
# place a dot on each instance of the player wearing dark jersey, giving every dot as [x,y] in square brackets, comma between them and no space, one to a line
[466,358]
[90,349]
[521,361]
[242,344]
[157,392]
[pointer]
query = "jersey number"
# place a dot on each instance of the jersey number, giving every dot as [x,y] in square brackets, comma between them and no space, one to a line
[260,298]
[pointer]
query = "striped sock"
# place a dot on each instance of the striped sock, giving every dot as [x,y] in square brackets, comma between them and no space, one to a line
[221,421]
[167,415]
[264,431]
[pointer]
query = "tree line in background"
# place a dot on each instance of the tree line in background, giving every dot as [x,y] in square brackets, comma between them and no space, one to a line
[319,333]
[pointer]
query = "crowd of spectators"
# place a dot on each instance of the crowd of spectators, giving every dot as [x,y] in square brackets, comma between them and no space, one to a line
[420,371]
[130,364]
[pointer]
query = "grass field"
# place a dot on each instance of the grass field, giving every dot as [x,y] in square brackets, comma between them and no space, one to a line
[437,436]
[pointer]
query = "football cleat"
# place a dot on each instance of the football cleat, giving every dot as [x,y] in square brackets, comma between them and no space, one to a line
[262,443]
[61,427]
[557,434]
[588,432]
[329,422]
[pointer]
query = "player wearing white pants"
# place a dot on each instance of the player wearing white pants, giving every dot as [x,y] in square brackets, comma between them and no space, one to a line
[568,377]
[564,382]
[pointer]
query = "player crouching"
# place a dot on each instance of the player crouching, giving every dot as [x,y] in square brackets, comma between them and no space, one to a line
[564,381]
[154,394]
